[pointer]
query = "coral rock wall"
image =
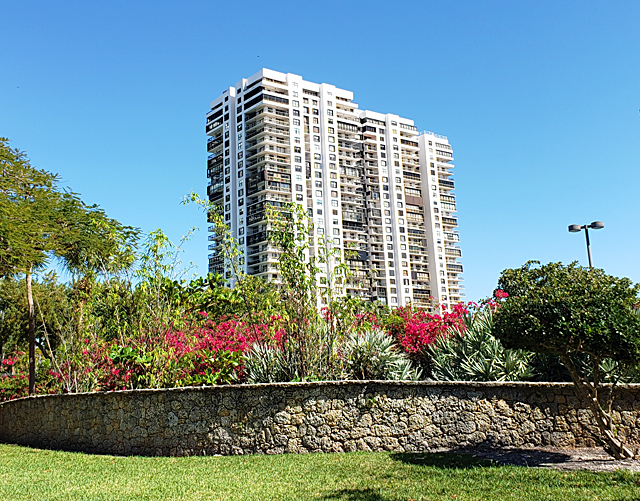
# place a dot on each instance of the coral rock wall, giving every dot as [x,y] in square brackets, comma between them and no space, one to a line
[312,417]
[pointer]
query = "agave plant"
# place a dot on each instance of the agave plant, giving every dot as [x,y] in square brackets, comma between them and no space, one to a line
[263,364]
[374,355]
[471,353]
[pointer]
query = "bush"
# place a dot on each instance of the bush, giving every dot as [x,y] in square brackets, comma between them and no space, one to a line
[471,353]
[373,355]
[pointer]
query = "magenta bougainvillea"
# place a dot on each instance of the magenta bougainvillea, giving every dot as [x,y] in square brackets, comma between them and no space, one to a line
[417,329]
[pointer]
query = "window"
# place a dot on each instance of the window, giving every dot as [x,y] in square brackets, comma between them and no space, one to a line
[240,173]
[299,197]
[305,109]
[296,113]
[334,194]
[295,93]
[318,193]
[331,130]
[296,121]
[317,156]
[330,113]
[316,139]
[298,187]
[296,104]
[336,231]
[334,184]
[318,184]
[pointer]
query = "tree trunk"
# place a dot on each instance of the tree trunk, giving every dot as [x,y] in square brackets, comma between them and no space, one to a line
[589,394]
[32,336]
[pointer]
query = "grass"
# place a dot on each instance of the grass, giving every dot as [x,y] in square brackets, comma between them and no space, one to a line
[38,475]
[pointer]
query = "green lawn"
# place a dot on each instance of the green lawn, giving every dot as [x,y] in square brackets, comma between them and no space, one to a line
[35,475]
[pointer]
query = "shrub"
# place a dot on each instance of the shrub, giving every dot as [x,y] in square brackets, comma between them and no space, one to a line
[471,353]
[574,312]
[374,355]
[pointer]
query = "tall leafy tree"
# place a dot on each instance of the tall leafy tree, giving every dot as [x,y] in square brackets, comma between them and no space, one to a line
[39,220]
[575,312]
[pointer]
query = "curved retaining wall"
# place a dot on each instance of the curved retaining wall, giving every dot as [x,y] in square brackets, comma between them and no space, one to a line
[312,417]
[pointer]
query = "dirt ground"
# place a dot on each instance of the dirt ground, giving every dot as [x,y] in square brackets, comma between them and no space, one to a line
[565,459]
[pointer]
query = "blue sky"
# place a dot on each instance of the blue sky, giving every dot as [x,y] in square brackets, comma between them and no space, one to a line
[540,101]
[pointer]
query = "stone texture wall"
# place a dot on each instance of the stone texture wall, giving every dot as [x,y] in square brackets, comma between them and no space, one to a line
[312,417]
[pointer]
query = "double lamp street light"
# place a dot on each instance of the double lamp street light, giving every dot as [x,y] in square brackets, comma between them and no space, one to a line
[596,225]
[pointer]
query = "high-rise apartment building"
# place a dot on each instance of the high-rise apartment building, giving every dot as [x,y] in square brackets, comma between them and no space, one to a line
[370,181]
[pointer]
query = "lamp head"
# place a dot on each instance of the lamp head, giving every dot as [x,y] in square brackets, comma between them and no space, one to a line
[597,225]
[574,228]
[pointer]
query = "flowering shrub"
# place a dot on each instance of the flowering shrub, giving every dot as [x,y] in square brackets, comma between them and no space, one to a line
[417,329]
[200,353]
[14,379]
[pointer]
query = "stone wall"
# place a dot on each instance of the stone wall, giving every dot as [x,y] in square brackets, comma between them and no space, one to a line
[312,417]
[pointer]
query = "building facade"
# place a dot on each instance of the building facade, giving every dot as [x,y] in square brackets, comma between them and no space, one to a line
[372,184]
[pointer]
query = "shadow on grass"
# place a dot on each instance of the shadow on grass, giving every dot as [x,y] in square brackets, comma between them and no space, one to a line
[444,460]
[356,495]
[483,456]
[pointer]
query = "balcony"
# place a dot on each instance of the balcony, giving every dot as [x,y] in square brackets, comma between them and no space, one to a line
[354,217]
[411,175]
[257,238]
[446,184]
[213,125]
[455,268]
[448,251]
[214,142]
[450,221]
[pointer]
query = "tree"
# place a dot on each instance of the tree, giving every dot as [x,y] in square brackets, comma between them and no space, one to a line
[573,312]
[39,220]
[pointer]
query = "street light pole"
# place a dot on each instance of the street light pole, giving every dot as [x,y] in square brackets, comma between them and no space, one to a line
[596,225]
[586,234]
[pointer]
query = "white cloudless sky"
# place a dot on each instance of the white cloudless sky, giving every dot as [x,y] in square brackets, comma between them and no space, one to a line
[540,101]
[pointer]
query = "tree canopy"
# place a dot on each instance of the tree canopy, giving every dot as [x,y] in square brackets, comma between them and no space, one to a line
[39,220]
[572,311]
[566,309]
